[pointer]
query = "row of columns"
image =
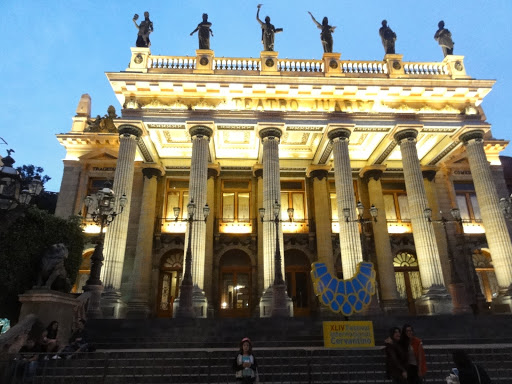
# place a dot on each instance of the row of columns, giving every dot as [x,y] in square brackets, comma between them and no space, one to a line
[435,298]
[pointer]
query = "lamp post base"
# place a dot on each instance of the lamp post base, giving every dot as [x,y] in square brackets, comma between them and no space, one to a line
[94,308]
[184,309]
[436,301]
[112,306]
[279,301]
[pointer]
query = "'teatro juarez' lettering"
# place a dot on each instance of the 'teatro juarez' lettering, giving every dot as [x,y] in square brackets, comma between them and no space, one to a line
[324,105]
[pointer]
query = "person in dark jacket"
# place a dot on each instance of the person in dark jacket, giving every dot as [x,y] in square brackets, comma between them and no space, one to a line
[396,359]
[469,372]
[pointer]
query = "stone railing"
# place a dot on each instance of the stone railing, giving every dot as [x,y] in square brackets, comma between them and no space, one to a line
[392,66]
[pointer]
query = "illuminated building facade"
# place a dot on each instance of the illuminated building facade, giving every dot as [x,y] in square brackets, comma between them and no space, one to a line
[317,136]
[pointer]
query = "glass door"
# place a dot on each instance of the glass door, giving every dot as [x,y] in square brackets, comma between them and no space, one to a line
[235,295]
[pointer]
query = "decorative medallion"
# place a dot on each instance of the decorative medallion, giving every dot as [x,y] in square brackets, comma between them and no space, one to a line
[204,61]
[396,65]
[333,64]
[269,62]
[458,66]
[138,59]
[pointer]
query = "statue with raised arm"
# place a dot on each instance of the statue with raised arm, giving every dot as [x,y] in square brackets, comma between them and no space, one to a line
[267,31]
[145,28]
[388,37]
[326,34]
[204,32]
[444,37]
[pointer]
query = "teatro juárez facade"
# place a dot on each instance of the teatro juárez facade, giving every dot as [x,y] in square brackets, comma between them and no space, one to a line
[317,136]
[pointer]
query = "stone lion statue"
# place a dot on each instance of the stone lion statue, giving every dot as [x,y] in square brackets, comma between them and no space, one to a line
[52,273]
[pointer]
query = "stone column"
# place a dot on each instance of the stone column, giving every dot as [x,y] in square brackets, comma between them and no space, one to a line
[258,173]
[140,283]
[117,232]
[323,221]
[198,192]
[435,298]
[494,222]
[66,202]
[350,240]
[389,297]
[270,138]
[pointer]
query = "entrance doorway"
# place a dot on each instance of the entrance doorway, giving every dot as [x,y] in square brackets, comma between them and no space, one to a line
[298,281]
[235,284]
[171,271]
[482,263]
[408,281]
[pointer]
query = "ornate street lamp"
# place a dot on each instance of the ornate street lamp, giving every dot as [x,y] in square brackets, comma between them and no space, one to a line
[279,298]
[185,308]
[101,207]
[374,211]
[10,185]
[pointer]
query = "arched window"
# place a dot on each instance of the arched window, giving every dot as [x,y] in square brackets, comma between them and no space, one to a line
[171,270]
[407,275]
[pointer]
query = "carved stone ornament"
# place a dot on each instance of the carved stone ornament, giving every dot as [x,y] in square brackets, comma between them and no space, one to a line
[429,174]
[103,124]
[374,174]
[396,65]
[477,135]
[138,59]
[200,131]
[204,61]
[319,174]
[405,134]
[270,132]
[127,129]
[333,64]
[269,63]
[458,66]
[151,172]
[339,133]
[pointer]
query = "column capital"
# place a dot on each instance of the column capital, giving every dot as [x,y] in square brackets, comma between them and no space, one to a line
[257,170]
[318,171]
[149,172]
[406,134]
[339,133]
[270,132]
[213,170]
[476,134]
[200,131]
[129,130]
[429,172]
[372,172]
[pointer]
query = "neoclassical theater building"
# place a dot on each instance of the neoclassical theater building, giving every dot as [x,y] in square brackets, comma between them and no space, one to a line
[317,136]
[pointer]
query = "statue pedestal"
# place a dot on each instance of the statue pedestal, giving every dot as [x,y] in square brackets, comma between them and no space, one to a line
[112,307]
[332,65]
[204,61]
[50,305]
[267,307]
[139,60]
[456,66]
[269,63]
[395,65]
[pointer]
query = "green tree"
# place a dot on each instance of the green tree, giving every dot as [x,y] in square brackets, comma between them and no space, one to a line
[46,200]
[22,244]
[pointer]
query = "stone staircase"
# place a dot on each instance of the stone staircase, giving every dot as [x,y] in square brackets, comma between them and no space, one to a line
[288,351]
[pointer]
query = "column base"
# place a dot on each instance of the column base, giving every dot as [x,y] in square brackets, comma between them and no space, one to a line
[503,303]
[436,301]
[94,307]
[112,306]
[395,307]
[459,299]
[267,303]
[280,302]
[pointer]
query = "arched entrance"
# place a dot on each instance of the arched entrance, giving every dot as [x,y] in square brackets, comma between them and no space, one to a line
[171,271]
[408,281]
[298,281]
[235,284]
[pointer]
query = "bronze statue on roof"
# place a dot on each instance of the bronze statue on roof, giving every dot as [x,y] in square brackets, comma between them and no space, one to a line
[267,31]
[204,32]
[145,28]
[326,34]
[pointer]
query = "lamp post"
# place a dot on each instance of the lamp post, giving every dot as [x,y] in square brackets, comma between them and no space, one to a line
[185,308]
[11,183]
[101,207]
[374,211]
[460,304]
[279,297]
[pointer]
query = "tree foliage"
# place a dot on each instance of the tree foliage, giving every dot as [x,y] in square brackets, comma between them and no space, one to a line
[21,247]
[28,172]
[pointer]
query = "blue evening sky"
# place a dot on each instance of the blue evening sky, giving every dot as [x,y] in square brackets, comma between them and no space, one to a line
[56,50]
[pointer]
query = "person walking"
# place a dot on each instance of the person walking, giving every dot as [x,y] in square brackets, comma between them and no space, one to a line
[245,366]
[416,362]
[396,358]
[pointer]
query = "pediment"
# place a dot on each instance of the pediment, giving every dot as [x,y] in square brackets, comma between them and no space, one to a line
[99,155]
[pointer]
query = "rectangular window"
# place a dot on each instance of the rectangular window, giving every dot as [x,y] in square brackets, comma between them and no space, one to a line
[292,196]
[236,200]
[467,202]
[177,197]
